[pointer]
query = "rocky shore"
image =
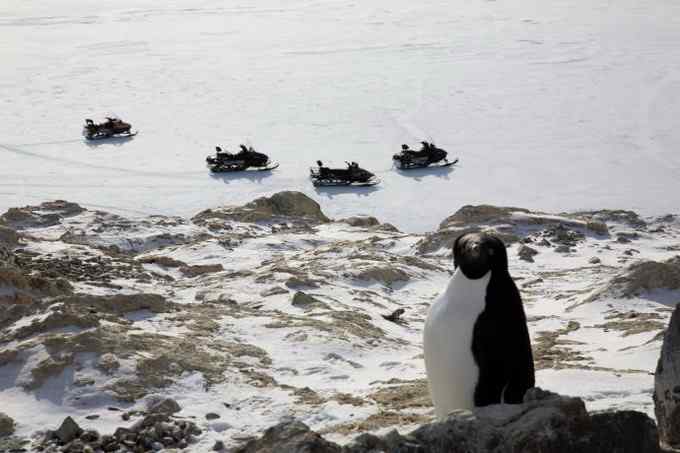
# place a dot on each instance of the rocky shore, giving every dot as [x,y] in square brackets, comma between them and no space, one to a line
[247,316]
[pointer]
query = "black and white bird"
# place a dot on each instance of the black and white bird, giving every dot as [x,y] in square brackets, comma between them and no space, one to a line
[476,340]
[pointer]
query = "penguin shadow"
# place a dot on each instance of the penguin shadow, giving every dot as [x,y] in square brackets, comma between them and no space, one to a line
[113,141]
[420,173]
[333,191]
[236,176]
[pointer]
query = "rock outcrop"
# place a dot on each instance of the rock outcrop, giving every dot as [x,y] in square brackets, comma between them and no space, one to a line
[512,224]
[667,384]
[281,206]
[44,215]
[643,276]
[545,422]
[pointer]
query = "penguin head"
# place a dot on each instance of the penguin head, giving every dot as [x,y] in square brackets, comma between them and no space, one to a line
[478,253]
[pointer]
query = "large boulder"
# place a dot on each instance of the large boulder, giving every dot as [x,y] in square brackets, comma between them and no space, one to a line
[545,422]
[44,215]
[281,206]
[667,384]
[6,425]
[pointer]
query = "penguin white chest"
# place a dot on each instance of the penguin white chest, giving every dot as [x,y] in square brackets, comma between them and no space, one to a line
[452,372]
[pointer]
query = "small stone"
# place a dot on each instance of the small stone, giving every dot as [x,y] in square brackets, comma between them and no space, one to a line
[92,417]
[157,446]
[527,253]
[68,431]
[211,416]
[307,302]
[219,446]
[120,433]
[594,260]
[563,248]
[395,316]
[167,406]
[75,446]
[89,436]
[545,243]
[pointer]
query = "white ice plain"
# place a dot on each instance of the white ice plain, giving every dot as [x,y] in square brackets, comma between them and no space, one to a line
[554,105]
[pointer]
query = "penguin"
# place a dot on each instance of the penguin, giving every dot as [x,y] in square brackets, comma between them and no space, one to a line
[476,340]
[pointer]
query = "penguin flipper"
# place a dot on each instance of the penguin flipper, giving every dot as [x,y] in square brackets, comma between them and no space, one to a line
[521,373]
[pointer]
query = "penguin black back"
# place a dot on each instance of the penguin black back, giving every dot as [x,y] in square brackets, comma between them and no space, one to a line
[501,346]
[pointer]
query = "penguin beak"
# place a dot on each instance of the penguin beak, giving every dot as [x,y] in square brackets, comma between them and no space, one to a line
[473,250]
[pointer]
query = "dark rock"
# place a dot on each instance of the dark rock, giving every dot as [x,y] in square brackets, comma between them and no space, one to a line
[163,261]
[121,433]
[361,221]
[563,248]
[92,417]
[527,253]
[307,302]
[195,271]
[167,406]
[68,431]
[8,237]
[287,205]
[291,437]
[594,260]
[211,416]
[89,436]
[219,446]
[395,316]
[666,378]
[388,227]
[545,243]
[545,422]
[6,425]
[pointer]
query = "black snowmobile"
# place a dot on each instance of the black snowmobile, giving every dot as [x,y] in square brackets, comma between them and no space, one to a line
[245,159]
[112,127]
[353,175]
[428,156]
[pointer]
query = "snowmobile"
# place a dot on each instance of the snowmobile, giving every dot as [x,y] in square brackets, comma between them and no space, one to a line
[428,156]
[112,127]
[353,175]
[245,159]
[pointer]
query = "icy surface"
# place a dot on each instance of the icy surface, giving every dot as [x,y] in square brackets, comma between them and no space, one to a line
[555,105]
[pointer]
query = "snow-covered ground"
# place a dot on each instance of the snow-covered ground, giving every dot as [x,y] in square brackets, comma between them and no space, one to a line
[555,105]
[234,334]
